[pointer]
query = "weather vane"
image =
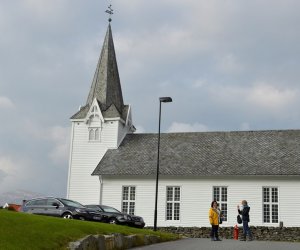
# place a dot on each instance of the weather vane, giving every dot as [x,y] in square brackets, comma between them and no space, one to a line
[110,11]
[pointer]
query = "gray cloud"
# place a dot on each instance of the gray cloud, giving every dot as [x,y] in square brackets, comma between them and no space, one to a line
[2,175]
[5,103]
[228,65]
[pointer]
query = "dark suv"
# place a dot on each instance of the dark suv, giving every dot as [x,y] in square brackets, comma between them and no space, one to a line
[114,216]
[60,207]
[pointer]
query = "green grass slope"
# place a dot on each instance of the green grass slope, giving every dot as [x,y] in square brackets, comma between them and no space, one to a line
[26,231]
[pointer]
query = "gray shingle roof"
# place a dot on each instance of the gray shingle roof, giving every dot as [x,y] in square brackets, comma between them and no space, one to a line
[206,154]
[106,86]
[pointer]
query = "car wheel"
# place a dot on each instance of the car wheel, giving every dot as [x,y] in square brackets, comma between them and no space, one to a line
[112,221]
[67,216]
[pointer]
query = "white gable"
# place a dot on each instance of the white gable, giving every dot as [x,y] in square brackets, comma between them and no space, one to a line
[94,116]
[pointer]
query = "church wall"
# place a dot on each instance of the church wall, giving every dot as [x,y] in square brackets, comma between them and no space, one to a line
[196,196]
[85,156]
[109,135]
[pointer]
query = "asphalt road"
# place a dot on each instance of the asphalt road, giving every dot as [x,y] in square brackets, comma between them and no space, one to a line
[207,244]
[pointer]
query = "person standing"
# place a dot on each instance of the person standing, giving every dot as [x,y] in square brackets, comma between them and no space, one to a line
[246,219]
[213,216]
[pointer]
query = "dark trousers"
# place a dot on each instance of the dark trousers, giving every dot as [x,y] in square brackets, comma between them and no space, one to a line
[246,229]
[214,231]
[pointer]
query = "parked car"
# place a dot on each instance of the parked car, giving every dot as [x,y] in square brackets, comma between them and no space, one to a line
[60,207]
[114,216]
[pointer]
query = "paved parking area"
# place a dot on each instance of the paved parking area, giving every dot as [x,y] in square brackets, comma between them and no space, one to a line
[207,244]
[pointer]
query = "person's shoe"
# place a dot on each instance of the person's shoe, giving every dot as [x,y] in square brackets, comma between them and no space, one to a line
[250,239]
[212,239]
[218,239]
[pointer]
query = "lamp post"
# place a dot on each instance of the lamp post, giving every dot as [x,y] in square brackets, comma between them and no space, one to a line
[161,99]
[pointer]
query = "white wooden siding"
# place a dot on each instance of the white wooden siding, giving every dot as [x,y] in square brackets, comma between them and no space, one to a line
[84,158]
[196,197]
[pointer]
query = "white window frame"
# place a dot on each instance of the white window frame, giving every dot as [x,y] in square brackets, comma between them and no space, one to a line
[128,200]
[173,204]
[272,202]
[94,132]
[222,199]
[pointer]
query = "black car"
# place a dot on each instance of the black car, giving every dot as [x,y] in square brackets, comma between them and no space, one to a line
[114,216]
[60,207]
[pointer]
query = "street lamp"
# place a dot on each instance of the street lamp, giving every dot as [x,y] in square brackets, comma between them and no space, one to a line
[161,99]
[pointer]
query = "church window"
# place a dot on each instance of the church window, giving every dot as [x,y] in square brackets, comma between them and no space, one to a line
[97,134]
[128,200]
[91,134]
[220,196]
[94,134]
[173,203]
[270,204]
[94,124]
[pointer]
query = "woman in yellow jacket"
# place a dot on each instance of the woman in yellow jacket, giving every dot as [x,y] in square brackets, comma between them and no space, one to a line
[213,215]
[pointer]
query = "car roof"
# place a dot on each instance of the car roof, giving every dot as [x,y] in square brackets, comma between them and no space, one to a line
[49,197]
[41,198]
[104,206]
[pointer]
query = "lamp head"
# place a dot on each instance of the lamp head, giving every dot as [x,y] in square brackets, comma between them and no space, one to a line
[165,99]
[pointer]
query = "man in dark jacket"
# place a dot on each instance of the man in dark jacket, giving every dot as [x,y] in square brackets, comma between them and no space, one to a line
[246,219]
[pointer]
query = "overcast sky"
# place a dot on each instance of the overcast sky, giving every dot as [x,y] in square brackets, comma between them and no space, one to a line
[228,65]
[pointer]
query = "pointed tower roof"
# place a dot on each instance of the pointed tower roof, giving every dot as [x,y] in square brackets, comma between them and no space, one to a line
[106,85]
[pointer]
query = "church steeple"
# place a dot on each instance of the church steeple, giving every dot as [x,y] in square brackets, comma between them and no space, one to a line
[101,124]
[106,86]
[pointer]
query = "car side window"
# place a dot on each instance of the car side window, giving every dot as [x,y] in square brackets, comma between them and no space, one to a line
[29,203]
[36,203]
[41,202]
[50,202]
[95,208]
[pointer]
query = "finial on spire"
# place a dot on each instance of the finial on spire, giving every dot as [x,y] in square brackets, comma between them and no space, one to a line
[110,11]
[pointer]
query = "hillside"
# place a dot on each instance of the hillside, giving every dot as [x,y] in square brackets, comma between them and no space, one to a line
[27,231]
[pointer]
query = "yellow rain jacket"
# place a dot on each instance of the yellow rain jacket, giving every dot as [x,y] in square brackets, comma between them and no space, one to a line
[213,216]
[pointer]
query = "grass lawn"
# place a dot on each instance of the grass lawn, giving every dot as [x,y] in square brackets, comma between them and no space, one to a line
[27,231]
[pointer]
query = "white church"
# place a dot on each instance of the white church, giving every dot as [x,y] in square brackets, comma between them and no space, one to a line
[109,164]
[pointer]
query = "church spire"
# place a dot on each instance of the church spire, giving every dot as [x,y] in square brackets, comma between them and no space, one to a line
[106,86]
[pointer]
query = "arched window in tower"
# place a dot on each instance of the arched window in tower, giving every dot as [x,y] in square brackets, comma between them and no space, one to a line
[97,137]
[94,124]
[94,134]
[91,134]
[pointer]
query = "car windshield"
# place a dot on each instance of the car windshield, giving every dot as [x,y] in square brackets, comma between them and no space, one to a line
[110,210]
[72,203]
